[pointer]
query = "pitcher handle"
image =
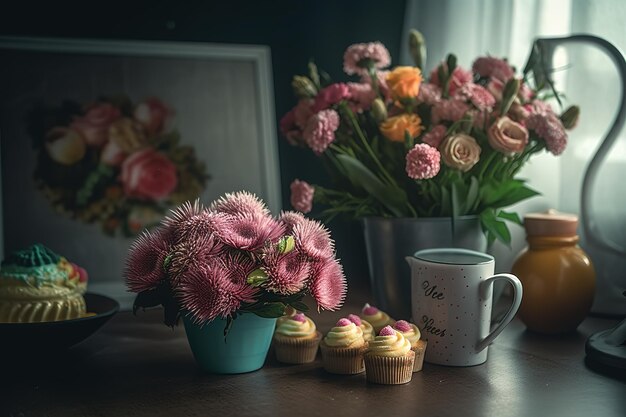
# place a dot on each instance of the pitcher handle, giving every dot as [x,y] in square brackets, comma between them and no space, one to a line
[590,228]
[485,288]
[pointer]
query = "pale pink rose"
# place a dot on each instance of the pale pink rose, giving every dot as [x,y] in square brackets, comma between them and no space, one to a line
[330,95]
[152,113]
[65,146]
[357,55]
[302,196]
[518,113]
[94,125]
[459,78]
[435,136]
[507,136]
[148,175]
[320,130]
[422,162]
[112,154]
[460,152]
[490,67]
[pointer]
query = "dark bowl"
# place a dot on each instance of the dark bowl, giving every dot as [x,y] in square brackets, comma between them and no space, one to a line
[58,335]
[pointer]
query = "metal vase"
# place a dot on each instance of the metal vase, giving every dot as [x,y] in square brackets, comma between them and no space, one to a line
[389,240]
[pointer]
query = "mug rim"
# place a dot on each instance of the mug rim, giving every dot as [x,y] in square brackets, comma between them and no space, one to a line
[458,251]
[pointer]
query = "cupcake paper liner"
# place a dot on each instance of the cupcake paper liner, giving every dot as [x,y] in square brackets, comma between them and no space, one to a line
[343,360]
[293,350]
[389,370]
[420,350]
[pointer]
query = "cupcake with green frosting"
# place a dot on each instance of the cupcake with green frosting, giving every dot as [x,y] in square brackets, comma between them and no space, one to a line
[38,285]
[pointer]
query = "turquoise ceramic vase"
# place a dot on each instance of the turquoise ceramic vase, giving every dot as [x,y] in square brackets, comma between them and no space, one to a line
[243,350]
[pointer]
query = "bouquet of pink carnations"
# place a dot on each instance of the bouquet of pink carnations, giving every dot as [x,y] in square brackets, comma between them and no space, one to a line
[397,145]
[234,257]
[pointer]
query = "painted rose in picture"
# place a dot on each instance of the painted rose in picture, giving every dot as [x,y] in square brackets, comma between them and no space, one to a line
[114,162]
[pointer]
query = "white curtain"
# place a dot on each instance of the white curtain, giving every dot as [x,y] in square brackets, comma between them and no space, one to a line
[507,28]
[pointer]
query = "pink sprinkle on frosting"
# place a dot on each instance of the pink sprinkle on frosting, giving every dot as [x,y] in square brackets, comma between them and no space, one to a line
[369,310]
[403,326]
[354,319]
[387,331]
[299,317]
[343,322]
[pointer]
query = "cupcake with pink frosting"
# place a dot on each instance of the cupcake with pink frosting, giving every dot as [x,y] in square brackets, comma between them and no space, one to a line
[343,348]
[412,333]
[377,318]
[296,339]
[389,358]
[366,327]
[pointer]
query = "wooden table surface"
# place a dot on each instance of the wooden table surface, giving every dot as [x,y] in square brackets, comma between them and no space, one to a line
[135,366]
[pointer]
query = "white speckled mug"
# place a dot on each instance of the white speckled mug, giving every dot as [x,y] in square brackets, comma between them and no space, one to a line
[451,297]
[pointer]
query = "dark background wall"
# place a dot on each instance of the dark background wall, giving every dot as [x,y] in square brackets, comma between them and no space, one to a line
[295,31]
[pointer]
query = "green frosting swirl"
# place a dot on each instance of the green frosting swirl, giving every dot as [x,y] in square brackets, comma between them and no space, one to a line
[36,255]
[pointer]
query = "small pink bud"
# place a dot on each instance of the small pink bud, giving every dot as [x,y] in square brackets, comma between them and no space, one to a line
[299,317]
[369,310]
[354,319]
[403,326]
[387,331]
[343,322]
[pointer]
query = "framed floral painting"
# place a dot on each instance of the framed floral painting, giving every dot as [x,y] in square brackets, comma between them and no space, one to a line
[99,139]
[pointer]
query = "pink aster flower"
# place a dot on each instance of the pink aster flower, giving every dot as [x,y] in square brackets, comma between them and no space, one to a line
[182,213]
[361,96]
[313,239]
[435,136]
[429,94]
[459,78]
[144,267]
[290,219]
[192,253]
[249,231]
[360,56]
[239,267]
[478,95]
[208,293]
[548,127]
[202,224]
[320,130]
[423,162]
[328,286]
[330,95]
[239,203]
[452,110]
[287,273]
[302,195]
[491,67]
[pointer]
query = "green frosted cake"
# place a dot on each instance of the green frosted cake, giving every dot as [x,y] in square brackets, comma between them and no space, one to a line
[38,285]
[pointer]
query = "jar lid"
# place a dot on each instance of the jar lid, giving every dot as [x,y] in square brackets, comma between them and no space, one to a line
[550,223]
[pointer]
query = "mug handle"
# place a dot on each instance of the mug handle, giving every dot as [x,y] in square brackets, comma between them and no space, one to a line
[485,287]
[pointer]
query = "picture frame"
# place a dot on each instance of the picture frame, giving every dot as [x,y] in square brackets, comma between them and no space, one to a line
[223,109]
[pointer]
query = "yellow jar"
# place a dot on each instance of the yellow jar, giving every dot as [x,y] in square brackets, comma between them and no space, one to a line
[557,276]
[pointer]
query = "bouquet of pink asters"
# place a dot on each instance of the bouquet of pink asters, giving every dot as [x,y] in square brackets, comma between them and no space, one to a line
[231,258]
[397,145]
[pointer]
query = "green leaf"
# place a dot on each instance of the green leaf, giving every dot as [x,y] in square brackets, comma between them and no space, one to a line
[510,216]
[269,310]
[451,62]
[495,194]
[472,195]
[393,198]
[409,142]
[495,227]
[455,199]
[446,209]
[300,306]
